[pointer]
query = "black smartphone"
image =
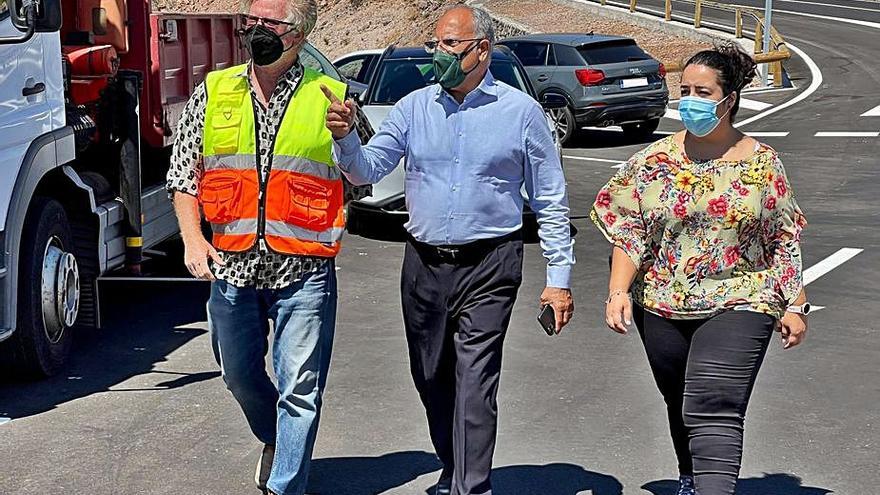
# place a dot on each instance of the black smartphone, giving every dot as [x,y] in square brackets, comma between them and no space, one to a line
[547,319]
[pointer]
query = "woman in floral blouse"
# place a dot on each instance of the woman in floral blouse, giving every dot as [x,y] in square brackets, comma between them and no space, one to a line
[706,232]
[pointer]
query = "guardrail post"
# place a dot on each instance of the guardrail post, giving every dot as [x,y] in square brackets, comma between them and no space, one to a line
[759,36]
[668,10]
[739,23]
[776,67]
[698,14]
[632,5]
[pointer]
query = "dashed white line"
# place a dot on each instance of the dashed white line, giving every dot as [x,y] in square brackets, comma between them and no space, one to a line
[767,134]
[874,112]
[759,106]
[590,159]
[758,90]
[821,268]
[844,134]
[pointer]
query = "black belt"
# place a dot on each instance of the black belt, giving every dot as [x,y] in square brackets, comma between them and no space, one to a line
[460,252]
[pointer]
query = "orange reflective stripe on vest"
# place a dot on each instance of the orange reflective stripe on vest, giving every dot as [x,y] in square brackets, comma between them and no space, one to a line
[302,205]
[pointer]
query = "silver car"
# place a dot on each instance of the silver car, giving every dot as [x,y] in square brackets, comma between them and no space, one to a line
[607,80]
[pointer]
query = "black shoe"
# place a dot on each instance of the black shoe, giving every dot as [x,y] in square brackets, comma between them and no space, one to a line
[444,486]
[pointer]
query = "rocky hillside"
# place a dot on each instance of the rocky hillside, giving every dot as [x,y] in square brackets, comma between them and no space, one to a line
[347,25]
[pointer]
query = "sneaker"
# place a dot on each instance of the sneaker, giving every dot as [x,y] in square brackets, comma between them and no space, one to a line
[686,486]
[264,467]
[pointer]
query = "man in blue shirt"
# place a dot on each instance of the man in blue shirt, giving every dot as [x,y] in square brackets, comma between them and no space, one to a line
[471,143]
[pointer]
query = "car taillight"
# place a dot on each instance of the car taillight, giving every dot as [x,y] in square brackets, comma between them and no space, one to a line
[663,71]
[589,77]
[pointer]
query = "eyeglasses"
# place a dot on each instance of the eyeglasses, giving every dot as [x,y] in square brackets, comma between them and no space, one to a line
[249,21]
[432,45]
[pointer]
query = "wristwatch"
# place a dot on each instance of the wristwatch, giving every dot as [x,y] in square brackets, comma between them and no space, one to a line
[803,309]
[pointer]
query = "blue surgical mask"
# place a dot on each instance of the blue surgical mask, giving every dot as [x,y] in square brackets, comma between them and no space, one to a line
[698,114]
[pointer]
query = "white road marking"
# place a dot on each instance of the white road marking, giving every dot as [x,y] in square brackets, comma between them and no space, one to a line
[672,114]
[759,106]
[821,268]
[4,420]
[617,163]
[767,134]
[615,128]
[829,5]
[815,83]
[847,134]
[749,91]
[874,112]
[858,22]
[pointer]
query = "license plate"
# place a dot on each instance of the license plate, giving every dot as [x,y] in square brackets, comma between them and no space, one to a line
[637,82]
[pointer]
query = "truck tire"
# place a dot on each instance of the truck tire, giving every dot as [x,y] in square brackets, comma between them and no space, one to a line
[48,293]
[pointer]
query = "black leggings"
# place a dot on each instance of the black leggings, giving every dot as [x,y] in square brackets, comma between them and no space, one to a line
[705,370]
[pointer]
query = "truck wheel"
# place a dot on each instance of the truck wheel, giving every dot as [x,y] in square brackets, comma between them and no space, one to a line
[640,131]
[48,292]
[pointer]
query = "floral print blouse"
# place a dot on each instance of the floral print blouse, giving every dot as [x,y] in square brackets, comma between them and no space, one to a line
[707,236]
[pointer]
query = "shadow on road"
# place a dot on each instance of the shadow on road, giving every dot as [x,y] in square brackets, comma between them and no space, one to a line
[553,479]
[373,475]
[769,484]
[141,328]
[368,475]
[598,138]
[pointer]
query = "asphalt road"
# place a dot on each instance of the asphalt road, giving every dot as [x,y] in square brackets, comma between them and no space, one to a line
[141,409]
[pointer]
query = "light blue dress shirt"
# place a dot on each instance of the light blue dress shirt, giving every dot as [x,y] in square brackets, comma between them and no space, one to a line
[465,166]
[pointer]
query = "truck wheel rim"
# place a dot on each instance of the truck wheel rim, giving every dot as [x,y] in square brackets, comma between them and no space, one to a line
[59,290]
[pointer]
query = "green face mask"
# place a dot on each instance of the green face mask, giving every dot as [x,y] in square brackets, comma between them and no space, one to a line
[448,70]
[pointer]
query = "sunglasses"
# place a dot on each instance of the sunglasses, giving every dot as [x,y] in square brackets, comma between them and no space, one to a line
[249,21]
[432,45]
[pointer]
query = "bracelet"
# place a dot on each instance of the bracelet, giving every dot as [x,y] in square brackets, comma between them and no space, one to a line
[613,294]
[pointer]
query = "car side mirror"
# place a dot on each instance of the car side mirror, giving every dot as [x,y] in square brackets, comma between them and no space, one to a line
[552,101]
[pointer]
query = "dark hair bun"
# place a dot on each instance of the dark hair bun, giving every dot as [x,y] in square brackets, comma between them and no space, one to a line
[744,67]
[736,68]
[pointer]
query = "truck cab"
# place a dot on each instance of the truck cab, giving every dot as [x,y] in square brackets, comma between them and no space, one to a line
[88,107]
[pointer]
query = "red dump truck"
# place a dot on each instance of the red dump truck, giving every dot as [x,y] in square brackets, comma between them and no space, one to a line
[90,95]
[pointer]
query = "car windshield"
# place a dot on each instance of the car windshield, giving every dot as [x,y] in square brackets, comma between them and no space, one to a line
[400,77]
[612,52]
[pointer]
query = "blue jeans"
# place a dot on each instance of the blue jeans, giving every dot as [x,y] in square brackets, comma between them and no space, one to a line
[304,317]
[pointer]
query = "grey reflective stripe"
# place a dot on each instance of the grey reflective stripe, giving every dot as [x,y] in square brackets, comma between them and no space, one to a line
[305,166]
[233,162]
[242,227]
[279,162]
[286,230]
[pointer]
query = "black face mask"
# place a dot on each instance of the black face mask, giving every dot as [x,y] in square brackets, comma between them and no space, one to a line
[264,45]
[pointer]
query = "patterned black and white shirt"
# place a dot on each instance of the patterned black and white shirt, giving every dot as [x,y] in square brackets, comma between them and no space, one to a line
[258,267]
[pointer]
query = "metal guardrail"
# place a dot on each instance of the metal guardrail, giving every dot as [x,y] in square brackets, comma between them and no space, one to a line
[777,53]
